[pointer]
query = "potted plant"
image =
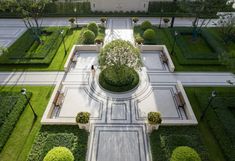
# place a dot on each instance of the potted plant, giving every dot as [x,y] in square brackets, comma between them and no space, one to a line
[72,20]
[166,21]
[82,119]
[103,20]
[139,40]
[99,40]
[135,19]
[154,120]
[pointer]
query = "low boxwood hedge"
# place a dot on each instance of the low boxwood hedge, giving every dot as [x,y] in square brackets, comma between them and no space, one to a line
[12,110]
[51,136]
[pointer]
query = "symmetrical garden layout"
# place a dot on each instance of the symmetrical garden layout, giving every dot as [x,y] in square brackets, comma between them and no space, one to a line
[118,129]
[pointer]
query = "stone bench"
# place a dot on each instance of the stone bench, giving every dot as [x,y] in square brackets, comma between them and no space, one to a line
[180,99]
[74,58]
[163,58]
[59,98]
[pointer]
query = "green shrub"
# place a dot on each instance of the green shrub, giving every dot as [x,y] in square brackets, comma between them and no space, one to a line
[185,153]
[88,37]
[149,35]
[135,19]
[139,40]
[154,118]
[59,154]
[99,39]
[146,25]
[93,27]
[120,80]
[51,136]
[83,117]
[13,109]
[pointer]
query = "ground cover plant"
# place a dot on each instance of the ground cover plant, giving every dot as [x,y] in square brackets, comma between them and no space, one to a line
[11,106]
[22,136]
[29,51]
[51,136]
[166,139]
[220,116]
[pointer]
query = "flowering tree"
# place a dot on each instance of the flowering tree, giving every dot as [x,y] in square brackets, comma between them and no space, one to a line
[119,53]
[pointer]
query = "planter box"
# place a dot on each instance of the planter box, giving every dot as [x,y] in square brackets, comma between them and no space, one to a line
[84,126]
[73,25]
[151,128]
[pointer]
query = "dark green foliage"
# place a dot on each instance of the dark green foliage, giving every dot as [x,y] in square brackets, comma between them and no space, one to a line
[149,35]
[184,153]
[83,117]
[11,107]
[120,80]
[93,27]
[26,50]
[88,37]
[220,117]
[59,154]
[51,136]
[154,118]
[166,139]
[146,25]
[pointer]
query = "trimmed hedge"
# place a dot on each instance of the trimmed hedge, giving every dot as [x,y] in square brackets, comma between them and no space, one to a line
[119,81]
[12,110]
[221,118]
[185,153]
[29,52]
[59,154]
[88,37]
[166,139]
[93,27]
[51,136]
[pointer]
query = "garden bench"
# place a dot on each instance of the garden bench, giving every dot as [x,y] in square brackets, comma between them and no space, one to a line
[58,100]
[163,58]
[179,99]
[74,58]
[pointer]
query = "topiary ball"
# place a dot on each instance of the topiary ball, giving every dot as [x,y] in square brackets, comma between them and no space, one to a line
[146,25]
[93,27]
[149,35]
[59,154]
[88,37]
[185,153]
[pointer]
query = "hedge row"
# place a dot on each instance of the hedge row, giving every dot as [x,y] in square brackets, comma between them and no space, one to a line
[12,118]
[51,136]
[166,139]
[21,51]
[221,120]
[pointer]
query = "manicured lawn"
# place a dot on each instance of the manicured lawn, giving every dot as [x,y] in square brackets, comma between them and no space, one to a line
[20,142]
[165,37]
[217,127]
[72,37]
[166,139]
[58,135]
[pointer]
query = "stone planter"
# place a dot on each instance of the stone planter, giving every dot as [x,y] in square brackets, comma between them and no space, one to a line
[152,127]
[73,25]
[166,25]
[84,126]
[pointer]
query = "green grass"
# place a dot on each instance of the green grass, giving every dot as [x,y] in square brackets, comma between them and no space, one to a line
[217,128]
[58,61]
[166,139]
[20,142]
[165,37]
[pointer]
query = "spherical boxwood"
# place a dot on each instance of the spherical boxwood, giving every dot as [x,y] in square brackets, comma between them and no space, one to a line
[88,37]
[121,80]
[154,118]
[93,27]
[185,153]
[146,25]
[149,35]
[83,117]
[59,154]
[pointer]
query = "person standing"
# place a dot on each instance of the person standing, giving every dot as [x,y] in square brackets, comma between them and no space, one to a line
[93,71]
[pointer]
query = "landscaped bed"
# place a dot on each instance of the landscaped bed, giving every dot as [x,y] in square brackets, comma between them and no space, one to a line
[220,115]
[50,136]
[166,139]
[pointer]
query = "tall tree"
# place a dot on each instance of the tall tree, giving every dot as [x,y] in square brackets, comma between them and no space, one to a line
[30,11]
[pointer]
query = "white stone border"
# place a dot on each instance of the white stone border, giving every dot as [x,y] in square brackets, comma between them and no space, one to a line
[191,119]
[161,48]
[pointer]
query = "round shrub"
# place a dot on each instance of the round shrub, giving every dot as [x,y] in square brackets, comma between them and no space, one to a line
[154,118]
[184,153]
[88,37]
[121,80]
[83,117]
[149,35]
[146,25]
[93,27]
[59,154]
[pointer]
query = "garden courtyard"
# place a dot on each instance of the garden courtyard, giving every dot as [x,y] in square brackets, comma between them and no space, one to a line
[60,84]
